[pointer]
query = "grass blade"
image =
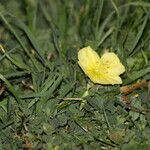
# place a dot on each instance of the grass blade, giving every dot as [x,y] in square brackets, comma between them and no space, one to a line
[10,88]
[136,75]
[19,40]
[139,35]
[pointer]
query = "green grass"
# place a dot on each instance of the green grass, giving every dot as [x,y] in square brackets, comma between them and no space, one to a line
[46,101]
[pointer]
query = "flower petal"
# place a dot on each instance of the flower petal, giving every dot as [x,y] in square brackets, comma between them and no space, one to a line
[88,58]
[112,63]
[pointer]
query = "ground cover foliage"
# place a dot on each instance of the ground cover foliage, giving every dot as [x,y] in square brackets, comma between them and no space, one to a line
[46,101]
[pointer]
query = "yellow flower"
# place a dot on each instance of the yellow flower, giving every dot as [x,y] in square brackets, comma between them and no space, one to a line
[104,70]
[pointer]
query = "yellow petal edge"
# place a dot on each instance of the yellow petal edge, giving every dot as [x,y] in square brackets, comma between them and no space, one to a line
[104,70]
